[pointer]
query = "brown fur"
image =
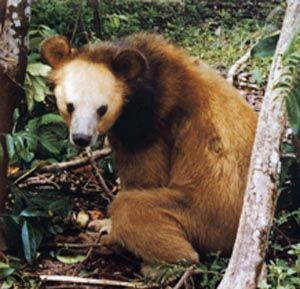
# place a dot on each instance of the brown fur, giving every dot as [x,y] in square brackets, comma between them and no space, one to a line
[183,184]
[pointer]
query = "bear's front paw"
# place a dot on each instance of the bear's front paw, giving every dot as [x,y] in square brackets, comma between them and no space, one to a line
[103,227]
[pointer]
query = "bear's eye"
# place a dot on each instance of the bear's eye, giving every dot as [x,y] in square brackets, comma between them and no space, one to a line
[102,110]
[70,107]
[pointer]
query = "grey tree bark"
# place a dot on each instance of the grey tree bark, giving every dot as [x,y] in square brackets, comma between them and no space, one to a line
[261,194]
[14,22]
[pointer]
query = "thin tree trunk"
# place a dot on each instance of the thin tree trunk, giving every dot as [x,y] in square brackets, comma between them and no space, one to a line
[261,194]
[97,18]
[14,21]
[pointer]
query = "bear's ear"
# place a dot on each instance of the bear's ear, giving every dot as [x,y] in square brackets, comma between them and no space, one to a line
[55,50]
[130,63]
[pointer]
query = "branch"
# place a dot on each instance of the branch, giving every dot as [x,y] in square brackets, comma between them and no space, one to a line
[58,167]
[188,272]
[237,65]
[91,281]
[261,194]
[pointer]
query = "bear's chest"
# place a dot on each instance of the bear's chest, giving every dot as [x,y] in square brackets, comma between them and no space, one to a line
[144,168]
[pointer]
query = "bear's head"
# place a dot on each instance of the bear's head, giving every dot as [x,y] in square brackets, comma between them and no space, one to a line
[91,84]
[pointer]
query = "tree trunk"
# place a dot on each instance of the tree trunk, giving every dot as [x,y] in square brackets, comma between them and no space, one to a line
[261,194]
[14,22]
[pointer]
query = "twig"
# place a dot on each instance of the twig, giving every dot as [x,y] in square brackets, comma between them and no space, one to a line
[88,254]
[234,68]
[188,272]
[288,240]
[22,175]
[14,81]
[76,23]
[67,286]
[92,281]
[76,245]
[72,164]
[98,174]
[7,59]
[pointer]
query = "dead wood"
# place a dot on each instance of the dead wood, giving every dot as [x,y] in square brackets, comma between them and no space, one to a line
[237,66]
[91,281]
[59,167]
[261,195]
[188,272]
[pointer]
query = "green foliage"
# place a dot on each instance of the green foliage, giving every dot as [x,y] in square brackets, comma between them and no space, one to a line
[206,274]
[121,17]
[266,46]
[290,81]
[35,84]
[36,88]
[33,217]
[283,275]
[44,137]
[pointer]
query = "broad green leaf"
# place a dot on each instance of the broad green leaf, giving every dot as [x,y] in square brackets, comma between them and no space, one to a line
[33,212]
[5,270]
[31,239]
[40,89]
[10,146]
[60,207]
[50,118]
[8,283]
[12,230]
[70,259]
[38,69]
[265,47]
[29,92]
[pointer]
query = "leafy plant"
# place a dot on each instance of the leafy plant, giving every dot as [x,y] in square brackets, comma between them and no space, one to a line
[36,88]
[44,137]
[281,274]
[290,82]
[206,274]
[36,73]
[33,217]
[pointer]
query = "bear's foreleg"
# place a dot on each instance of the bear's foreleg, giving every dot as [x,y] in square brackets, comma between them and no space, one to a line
[147,223]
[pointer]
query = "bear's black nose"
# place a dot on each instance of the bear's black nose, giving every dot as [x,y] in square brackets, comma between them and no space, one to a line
[81,140]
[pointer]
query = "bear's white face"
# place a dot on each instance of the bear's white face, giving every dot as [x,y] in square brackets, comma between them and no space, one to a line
[89,97]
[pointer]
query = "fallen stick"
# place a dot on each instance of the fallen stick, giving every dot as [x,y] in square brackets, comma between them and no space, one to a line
[58,167]
[92,281]
[97,173]
[77,245]
[234,68]
[188,272]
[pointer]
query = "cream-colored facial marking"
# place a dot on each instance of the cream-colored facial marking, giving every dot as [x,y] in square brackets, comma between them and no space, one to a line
[88,86]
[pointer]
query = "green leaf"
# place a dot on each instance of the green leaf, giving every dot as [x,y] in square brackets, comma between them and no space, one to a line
[8,283]
[60,207]
[5,270]
[265,47]
[31,239]
[33,212]
[40,89]
[1,152]
[10,146]
[70,259]
[12,230]
[50,118]
[38,69]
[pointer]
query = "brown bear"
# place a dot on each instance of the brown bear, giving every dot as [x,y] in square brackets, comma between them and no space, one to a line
[181,138]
